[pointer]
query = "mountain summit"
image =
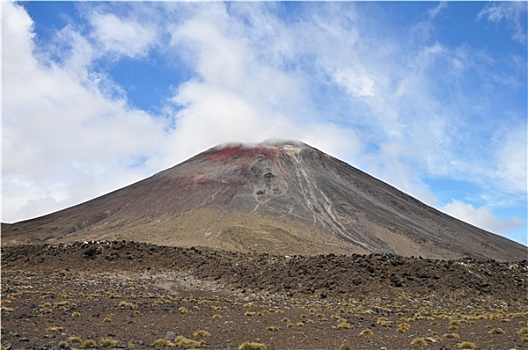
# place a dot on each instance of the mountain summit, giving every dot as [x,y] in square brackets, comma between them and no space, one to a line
[281,197]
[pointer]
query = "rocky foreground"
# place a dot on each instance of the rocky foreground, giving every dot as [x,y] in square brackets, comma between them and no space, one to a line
[134,295]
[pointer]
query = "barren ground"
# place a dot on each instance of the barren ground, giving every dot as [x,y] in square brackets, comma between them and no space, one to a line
[136,294]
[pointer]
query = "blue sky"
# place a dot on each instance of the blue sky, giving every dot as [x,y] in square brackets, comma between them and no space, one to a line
[427,96]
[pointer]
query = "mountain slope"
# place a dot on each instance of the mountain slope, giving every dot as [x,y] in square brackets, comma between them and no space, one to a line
[275,197]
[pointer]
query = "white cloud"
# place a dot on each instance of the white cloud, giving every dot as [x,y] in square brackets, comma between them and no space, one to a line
[442,5]
[121,36]
[358,85]
[238,95]
[481,217]
[511,158]
[65,141]
[513,12]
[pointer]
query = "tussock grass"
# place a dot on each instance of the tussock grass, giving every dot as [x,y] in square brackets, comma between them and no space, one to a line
[467,345]
[126,304]
[184,310]
[419,342]
[53,329]
[201,333]
[451,336]
[523,331]
[344,325]
[108,343]
[383,321]
[252,346]
[497,331]
[89,343]
[163,343]
[345,346]
[367,332]
[74,339]
[188,343]
[404,327]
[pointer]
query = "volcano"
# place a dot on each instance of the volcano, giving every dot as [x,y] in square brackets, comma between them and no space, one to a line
[274,197]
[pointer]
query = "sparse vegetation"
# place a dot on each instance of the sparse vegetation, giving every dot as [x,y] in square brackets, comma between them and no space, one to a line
[252,346]
[188,343]
[163,343]
[89,343]
[383,321]
[184,310]
[126,304]
[451,336]
[201,333]
[419,342]
[108,343]
[523,331]
[75,339]
[344,325]
[404,327]
[497,331]
[53,329]
[480,319]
